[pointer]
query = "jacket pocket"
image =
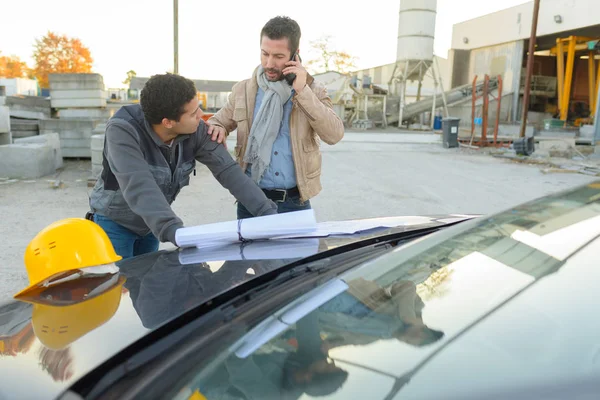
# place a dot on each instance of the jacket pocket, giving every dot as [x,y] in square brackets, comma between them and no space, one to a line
[186,170]
[240,117]
[312,156]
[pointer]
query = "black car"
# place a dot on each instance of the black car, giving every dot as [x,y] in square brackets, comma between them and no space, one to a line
[501,306]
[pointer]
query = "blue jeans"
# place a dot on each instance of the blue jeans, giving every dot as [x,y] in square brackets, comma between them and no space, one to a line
[291,203]
[126,243]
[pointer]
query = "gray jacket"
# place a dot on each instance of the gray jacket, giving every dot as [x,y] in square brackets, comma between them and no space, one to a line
[141,175]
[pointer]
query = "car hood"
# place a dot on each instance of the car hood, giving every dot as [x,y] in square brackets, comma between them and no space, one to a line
[54,346]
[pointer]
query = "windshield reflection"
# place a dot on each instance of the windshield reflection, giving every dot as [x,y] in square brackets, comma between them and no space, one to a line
[398,311]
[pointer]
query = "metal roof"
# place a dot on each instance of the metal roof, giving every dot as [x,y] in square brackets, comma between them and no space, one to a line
[202,85]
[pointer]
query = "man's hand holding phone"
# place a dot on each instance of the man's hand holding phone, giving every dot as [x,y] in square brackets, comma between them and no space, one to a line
[295,67]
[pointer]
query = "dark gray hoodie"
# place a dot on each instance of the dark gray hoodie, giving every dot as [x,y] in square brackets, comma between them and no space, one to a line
[142,175]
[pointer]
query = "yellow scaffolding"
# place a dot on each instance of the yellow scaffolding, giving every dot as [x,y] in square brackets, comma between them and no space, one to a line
[565,73]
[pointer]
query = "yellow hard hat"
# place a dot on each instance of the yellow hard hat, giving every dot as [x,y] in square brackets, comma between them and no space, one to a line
[57,326]
[66,245]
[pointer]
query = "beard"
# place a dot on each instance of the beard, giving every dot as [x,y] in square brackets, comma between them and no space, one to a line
[273,74]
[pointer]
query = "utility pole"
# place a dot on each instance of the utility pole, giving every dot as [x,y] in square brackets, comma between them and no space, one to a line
[530,57]
[176,37]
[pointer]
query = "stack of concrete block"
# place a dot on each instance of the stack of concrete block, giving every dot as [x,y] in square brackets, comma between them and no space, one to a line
[51,140]
[22,128]
[77,91]
[27,160]
[75,135]
[28,107]
[5,135]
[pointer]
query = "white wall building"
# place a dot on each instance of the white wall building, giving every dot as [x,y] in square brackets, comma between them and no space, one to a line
[496,44]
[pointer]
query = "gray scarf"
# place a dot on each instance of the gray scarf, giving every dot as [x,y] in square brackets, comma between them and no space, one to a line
[266,124]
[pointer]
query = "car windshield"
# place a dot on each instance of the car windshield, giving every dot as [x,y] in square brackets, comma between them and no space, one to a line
[378,322]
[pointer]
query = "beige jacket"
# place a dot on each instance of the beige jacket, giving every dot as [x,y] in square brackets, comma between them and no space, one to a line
[312,120]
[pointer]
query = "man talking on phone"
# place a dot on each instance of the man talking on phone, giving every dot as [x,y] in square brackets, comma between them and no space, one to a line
[281,114]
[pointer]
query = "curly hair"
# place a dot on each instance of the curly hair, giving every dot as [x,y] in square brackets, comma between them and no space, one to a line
[283,27]
[165,96]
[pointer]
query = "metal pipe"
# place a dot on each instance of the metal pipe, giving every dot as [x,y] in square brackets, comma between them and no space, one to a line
[592,80]
[433,105]
[437,65]
[498,110]
[530,58]
[566,97]
[385,123]
[176,37]
[560,69]
[485,109]
[403,95]
[473,98]
[597,115]
[597,84]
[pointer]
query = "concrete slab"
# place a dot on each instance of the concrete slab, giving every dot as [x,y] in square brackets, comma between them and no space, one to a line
[586,131]
[84,142]
[28,114]
[23,134]
[28,107]
[74,135]
[77,85]
[97,147]
[78,78]
[100,129]
[26,160]
[559,133]
[4,119]
[76,152]
[5,138]
[28,101]
[77,94]
[60,125]
[17,124]
[555,143]
[50,139]
[78,103]
[85,113]
[514,130]
[97,142]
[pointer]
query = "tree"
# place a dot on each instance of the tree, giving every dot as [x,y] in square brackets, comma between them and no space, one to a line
[329,59]
[13,67]
[130,75]
[60,54]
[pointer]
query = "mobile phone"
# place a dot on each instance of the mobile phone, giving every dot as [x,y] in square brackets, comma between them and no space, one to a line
[290,77]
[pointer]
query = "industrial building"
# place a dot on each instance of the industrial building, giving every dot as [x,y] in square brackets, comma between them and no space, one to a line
[482,80]
[564,86]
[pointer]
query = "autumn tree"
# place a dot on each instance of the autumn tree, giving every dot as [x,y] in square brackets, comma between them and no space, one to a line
[60,54]
[13,67]
[328,58]
[130,75]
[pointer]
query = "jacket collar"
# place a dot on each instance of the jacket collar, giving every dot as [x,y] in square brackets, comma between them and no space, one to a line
[158,141]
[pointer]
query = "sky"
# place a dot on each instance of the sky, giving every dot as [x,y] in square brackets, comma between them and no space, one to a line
[218,40]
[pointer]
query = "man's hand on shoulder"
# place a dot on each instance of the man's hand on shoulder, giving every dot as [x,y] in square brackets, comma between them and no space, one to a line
[217,133]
